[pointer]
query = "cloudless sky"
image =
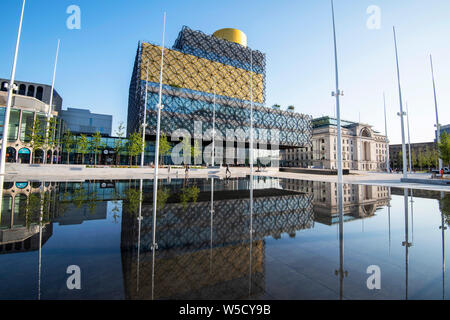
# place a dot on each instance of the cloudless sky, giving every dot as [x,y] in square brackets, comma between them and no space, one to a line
[95,63]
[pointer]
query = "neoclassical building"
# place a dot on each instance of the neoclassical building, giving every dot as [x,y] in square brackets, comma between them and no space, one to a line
[359,201]
[363,148]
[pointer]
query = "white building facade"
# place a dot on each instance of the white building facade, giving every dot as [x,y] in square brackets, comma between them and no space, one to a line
[363,148]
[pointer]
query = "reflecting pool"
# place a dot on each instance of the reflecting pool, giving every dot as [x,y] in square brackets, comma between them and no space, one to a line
[221,239]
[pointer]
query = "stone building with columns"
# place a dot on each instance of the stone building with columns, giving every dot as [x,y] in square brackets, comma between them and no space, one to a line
[363,148]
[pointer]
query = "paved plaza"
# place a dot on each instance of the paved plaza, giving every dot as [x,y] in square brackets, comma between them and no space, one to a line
[79,172]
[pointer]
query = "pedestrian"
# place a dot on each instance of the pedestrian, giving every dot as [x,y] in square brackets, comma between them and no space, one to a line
[228,170]
[442,173]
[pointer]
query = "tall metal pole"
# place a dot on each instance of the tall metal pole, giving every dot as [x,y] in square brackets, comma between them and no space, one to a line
[211,211]
[409,139]
[438,126]
[338,110]
[388,166]
[401,114]
[214,124]
[139,236]
[144,122]
[406,243]
[50,109]
[10,94]
[53,81]
[158,129]
[251,113]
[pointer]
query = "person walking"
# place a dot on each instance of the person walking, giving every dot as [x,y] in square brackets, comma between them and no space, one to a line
[228,170]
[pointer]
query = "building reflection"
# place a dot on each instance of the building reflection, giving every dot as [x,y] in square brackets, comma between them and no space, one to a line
[205,250]
[358,201]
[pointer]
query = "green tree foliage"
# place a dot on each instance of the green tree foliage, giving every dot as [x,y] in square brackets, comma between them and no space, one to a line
[196,151]
[189,193]
[96,144]
[134,145]
[164,147]
[444,148]
[131,202]
[36,137]
[83,146]
[52,139]
[444,206]
[162,196]
[68,141]
[118,143]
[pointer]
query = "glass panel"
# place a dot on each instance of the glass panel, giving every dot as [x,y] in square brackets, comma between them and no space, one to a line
[13,129]
[26,126]
[5,217]
[2,120]
[20,203]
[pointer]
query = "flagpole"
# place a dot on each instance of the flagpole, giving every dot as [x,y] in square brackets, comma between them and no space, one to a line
[401,113]
[144,122]
[10,94]
[438,126]
[158,129]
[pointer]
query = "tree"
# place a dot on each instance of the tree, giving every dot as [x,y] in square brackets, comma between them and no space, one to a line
[444,148]
[68,142]
[96,143]
[83,146]
[196,151]
[36,137]
[118,143]
[51,136]
[187,149]
[421,161]
[164,147]
[134,145]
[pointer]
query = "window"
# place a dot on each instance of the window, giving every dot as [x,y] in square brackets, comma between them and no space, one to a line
[30,92]
[39,93]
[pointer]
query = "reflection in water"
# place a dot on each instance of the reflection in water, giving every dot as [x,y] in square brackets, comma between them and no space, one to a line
[203,248]
[443,228]
[226,239]
[406,243]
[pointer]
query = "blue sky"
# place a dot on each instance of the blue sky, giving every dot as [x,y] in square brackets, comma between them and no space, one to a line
[96,61]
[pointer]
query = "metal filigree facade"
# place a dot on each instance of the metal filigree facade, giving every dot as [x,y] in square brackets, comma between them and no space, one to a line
[197,66]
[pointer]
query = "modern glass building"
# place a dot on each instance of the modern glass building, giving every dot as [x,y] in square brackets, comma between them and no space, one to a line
[206,73]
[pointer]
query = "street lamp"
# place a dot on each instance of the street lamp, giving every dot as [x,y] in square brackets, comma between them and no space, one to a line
[9,100]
